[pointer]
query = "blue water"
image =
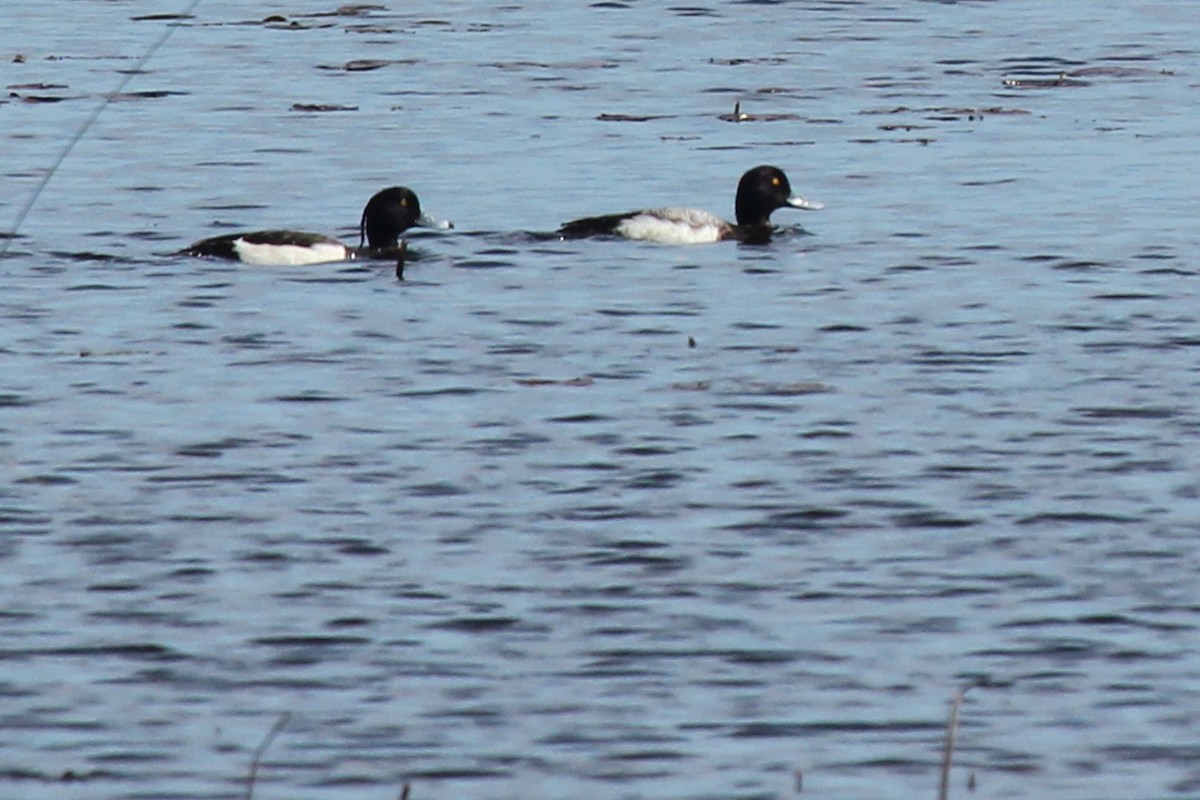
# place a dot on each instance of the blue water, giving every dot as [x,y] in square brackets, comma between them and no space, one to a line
[603,519]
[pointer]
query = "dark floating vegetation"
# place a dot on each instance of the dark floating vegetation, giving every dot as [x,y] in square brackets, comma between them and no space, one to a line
[742,116]
[41,87]
[352,10]
[632,117]
[367,64]
[37,98]
[310,21]
[737,62]
[583,380]
[1044,83]
[1080,77]
[280,22]
[320,108]
[950,113]
[934,114]
[148,94]
[736,116]
[165,17]
[16,93]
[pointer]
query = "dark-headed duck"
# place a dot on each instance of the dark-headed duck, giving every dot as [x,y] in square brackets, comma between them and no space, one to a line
[386,216]
[760,191]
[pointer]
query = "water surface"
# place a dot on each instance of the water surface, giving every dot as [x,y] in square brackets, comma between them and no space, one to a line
[603,519]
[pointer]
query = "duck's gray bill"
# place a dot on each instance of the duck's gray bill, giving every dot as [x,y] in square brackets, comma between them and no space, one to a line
[795,201]
[426,221]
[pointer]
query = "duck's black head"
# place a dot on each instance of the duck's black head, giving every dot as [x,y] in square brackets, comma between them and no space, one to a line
[762,190]
[388,214]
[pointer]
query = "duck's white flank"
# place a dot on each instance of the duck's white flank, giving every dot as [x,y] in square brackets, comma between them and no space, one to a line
[286,255]
[674,226]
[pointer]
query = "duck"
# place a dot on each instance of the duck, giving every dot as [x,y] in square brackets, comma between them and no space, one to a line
[388,214]
[760,191]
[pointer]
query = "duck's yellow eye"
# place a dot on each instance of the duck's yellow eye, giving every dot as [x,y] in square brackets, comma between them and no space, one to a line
[403,201]
[775,181]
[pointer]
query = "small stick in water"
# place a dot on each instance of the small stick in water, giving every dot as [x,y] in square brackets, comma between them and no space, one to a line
[262,748]
[948,752]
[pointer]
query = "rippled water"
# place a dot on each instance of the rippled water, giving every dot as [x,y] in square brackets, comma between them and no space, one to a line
[604,519]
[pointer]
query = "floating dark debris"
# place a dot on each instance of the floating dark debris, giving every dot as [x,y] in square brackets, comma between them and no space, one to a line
[580,381]
[590,63]
[919,140]
[374,28]
[737,116]
[948,114]
[280,22]
[357,10]
[737,62]
[36,98]
[160,17]
[318,108]
[1044,83]
[995,110]
[367,64]
[150,94]
[1118,72]
[1076,77]
[631,117]
[517,65]
[788,389]
[741,116]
